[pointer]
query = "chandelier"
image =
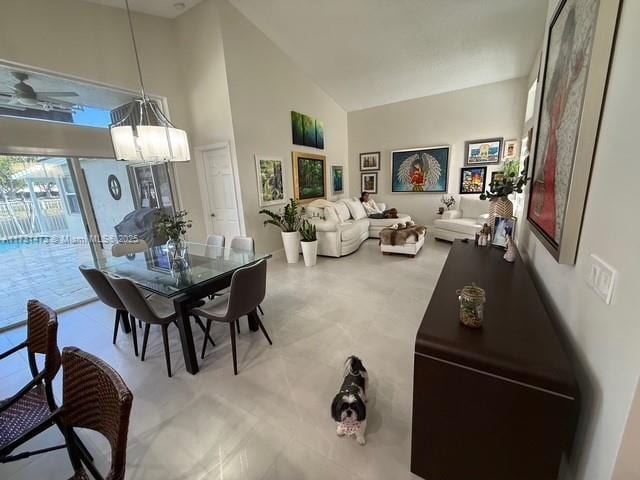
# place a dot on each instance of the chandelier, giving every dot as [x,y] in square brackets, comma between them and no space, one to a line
[145,134]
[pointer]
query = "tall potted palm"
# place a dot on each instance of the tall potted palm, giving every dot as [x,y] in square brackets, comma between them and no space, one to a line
[289,221]
[309,242]
[499,191]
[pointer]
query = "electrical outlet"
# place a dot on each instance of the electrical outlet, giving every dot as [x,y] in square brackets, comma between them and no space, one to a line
[601,278]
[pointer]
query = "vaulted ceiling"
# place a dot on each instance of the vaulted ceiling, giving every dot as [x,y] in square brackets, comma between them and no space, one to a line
[371,52]
[160,8]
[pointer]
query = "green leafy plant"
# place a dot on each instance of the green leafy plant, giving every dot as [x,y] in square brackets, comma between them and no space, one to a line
[307,231]
[173,226]
[512,182]
[288,220]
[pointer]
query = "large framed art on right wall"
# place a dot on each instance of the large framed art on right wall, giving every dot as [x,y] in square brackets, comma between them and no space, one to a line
[575,68]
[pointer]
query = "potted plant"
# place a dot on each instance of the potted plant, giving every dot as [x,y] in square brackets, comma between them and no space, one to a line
[289,221]
[173,227]
[309,243]
[499,191]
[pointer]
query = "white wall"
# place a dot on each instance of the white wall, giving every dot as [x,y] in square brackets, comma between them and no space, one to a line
[264,86]
[493,110]
[604,336]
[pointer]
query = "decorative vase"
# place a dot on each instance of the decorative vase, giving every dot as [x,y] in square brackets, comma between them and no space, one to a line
[310,252]
[500,207]
[291,242]
[177,252]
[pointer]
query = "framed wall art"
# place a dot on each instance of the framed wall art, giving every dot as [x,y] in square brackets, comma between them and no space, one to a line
[337,179]
[497,177]
[369,182]
[270,175]
[510,150]
[369,161]
[420,170]
[482,152]
[308,176]
[576,60]
[472,179]
[306,130]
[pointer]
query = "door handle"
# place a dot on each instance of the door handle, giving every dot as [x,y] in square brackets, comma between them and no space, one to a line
[213,214]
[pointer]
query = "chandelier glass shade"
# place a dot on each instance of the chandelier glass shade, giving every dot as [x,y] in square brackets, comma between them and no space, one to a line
[144,133]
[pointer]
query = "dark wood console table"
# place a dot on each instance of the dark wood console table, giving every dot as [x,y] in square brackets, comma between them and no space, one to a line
[495,403]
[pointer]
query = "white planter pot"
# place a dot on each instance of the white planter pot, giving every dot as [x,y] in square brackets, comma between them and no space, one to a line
[291,242]
[310,252]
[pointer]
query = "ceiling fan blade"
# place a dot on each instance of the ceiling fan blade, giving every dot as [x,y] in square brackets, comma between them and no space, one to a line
[6,95]
[58,94]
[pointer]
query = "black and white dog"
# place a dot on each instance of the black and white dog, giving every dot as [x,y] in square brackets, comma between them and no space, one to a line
[348,408]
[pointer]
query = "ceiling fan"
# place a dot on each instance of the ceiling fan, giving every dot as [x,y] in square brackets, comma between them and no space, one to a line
[23,96]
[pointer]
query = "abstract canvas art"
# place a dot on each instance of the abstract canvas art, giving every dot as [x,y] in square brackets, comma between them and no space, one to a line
[483,152]
[472,179]
[270,180]
[420,170]
[578,49]
[307,131]
[337,179]
[308,176]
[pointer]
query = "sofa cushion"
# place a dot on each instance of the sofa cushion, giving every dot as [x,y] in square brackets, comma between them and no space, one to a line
[343,211]
[355,208]
[461,225]
[387,222]
[353,229]
[473,207]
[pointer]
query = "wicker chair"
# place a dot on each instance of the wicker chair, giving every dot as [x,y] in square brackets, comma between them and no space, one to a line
[94,397]
[33,409]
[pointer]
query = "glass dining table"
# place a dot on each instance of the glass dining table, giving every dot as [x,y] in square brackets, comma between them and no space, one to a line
[203,271]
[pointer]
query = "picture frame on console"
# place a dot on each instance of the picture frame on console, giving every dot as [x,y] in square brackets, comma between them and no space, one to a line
[369,182]
[503,227]
[571,99]
[483,152]
[369,161]
[420,170]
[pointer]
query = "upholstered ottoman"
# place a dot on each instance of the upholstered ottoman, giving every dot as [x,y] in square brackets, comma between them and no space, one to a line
[407,240]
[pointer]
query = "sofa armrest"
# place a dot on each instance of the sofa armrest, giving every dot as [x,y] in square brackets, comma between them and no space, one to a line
[451,214]
[323,225]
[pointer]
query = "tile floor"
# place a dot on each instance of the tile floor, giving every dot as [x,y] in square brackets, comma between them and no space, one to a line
[272,420]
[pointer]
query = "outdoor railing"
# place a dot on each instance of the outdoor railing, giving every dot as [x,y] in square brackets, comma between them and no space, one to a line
[18,218]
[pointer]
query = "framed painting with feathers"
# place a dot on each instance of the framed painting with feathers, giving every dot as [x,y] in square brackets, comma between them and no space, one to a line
[420,170]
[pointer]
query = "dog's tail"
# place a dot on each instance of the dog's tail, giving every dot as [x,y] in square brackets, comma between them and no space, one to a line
[353,365]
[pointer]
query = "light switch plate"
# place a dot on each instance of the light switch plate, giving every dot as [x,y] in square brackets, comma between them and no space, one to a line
[601,278]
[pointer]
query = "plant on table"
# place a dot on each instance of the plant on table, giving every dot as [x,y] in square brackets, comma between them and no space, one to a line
[499,191]
[173,227]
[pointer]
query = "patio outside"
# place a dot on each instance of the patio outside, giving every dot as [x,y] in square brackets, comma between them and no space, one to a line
[42,239]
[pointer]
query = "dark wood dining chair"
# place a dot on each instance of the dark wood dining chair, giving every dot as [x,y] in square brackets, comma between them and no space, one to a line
[107,295]
[32,410]
[154,310]
[94,397]
[247,291]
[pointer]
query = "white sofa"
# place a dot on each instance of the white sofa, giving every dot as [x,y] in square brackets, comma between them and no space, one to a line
[463,222]
[342,226]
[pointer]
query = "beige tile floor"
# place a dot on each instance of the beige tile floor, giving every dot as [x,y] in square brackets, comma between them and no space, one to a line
[272,420]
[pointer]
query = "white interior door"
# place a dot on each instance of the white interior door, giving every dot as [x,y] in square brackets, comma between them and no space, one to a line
[220,202]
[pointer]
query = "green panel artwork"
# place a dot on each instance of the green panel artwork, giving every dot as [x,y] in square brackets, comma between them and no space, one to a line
[296,128]
[309,130]
[319,134]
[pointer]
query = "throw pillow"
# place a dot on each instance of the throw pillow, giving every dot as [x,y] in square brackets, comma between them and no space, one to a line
[343,211]
[356,209]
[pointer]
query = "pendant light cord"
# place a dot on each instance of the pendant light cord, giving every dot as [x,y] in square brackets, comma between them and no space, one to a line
[135,50]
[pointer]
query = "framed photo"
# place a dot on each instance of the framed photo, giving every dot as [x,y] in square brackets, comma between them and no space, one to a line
[496,177]
[472,179]
[270,175]
[370,161]
[337,179]
[575,64]
[482,152]
[503,227]
[510,149]
[369,182]
[308,176]
[420,170]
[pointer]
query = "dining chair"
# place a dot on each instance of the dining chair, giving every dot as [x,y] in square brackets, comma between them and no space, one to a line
[94,397]
[107,295]
[243,243]
[122,249]
[248,287]
[153,310]
[32,409]
[215,241]
[248,244]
